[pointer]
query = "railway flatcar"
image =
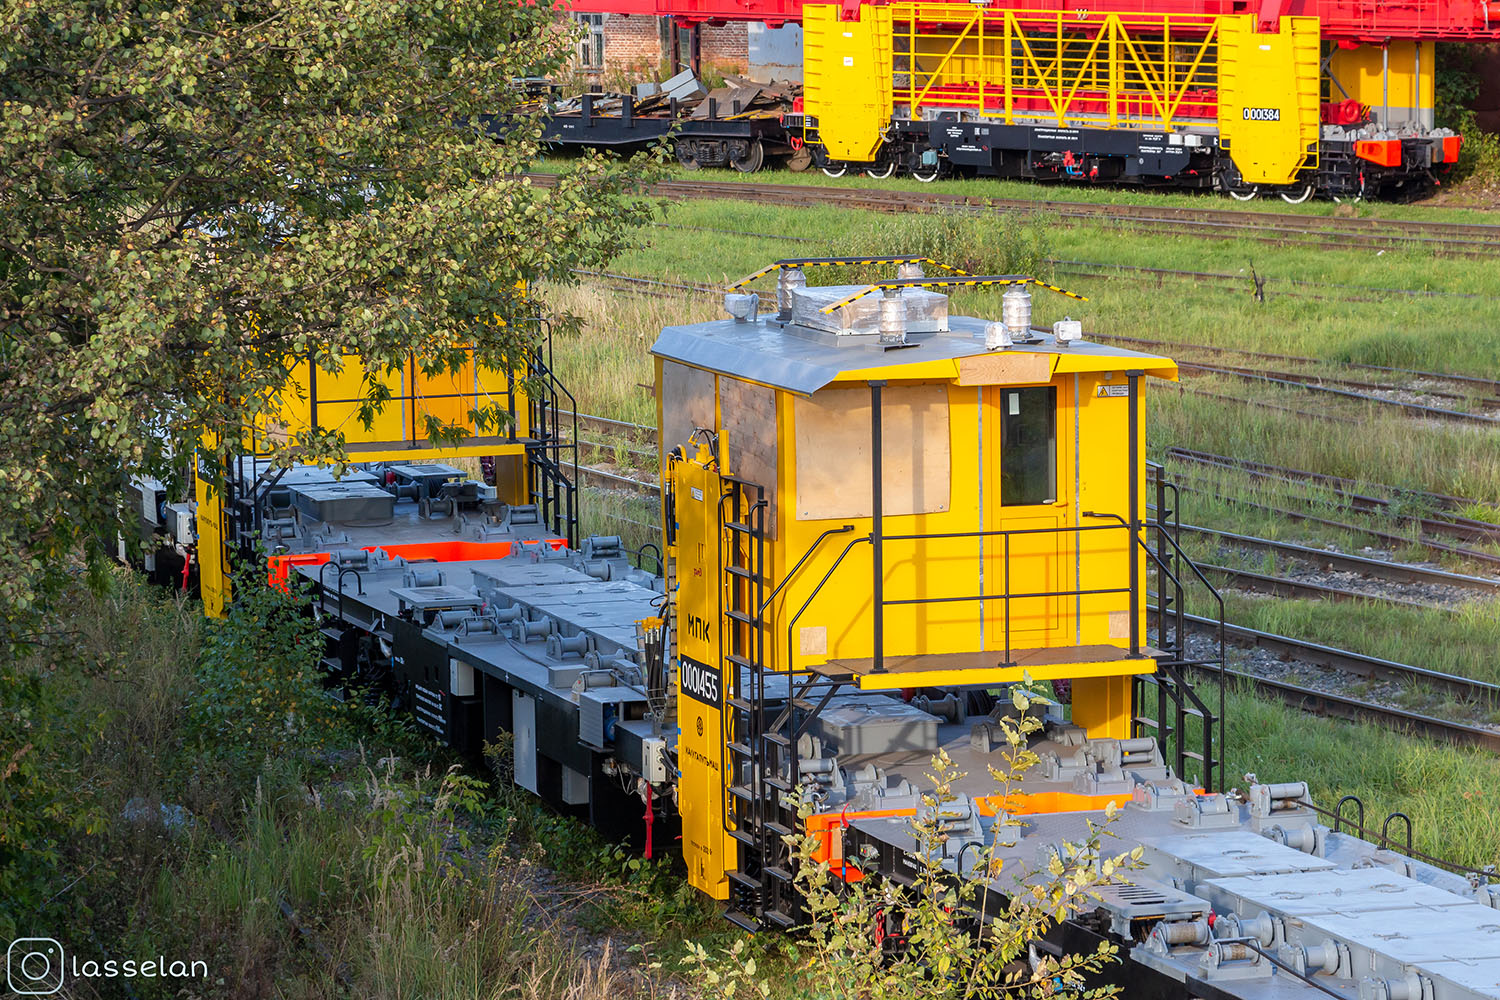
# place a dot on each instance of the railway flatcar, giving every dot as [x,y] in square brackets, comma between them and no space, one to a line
[876,517]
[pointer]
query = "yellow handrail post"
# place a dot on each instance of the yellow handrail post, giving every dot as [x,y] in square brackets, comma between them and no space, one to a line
[1009,66]
[1114,71]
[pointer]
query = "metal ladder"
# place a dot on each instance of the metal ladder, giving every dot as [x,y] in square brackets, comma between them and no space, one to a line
[1188,727]
[552,454]
[753,752]
[766,713]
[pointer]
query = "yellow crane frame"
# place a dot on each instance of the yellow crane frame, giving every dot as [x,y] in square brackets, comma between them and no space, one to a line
[1143,66]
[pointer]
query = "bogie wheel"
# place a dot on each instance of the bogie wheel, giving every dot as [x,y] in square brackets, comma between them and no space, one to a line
[1247,193]
[1297,196]
[754,157]
[879,172]
[800,160]
[686,158]
[835,168]
[927,174]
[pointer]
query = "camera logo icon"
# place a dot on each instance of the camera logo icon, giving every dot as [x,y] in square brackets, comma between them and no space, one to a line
[34,967]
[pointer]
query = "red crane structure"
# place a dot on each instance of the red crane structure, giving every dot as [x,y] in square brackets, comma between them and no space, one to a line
[1352,21]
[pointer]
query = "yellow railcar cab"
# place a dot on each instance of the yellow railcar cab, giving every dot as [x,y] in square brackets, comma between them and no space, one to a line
[865,490]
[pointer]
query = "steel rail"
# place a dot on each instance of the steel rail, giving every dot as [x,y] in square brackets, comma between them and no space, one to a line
[1418,409]
[606,446]
[615,480]
[1461,529]
[1316,654]
[1394,571]
[1101,269]
[1473,555]
[1258,404]
[1349,383]
[1488,384]
[1326,703]
[1281,586]
[1301,379]
[1442,501]
[1380,232]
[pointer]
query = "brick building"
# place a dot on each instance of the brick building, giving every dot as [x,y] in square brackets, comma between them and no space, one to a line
[638,46]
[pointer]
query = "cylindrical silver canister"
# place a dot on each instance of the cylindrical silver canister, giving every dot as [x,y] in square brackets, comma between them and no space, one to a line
[1015,312]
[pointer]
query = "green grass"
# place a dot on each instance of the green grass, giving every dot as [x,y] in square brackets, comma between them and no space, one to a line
[1449,792]
[405,874]
[1433,333]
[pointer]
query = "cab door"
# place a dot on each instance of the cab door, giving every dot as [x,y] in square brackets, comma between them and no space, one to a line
[1024,495]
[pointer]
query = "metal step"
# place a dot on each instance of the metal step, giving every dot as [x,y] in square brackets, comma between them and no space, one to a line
[749,839]
[778,739]
[780,919]
[780,784]
[740,703]
[742,793]
[742,920]
[780,874]
[741,749]
[779,829]
[740,878]
[742,573]
[743,529]
[742,617]
[739,660]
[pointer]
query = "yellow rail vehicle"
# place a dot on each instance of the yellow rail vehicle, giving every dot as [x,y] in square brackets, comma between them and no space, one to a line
[300,514]
[877,519]
[1187,99]
[872,500]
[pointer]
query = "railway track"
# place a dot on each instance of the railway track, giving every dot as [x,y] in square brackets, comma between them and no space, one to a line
[1479,384]
[1384,537]
[1276,228]
[1317,384]
[1450,523]
[1395,572]
[1322,702]
[1328,703]
[1219,280]
[1428,528]
[1398,572]
[1281,586]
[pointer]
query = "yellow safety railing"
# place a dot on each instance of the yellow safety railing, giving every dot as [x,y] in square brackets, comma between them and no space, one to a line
[1069,68]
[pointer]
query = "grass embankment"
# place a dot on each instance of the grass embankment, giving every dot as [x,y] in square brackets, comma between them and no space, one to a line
[187,789]
[1437,333]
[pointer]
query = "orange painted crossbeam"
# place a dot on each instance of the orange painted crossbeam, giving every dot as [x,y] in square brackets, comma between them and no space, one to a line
[280,567]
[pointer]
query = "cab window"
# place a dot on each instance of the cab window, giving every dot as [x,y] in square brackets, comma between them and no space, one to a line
[1028,446]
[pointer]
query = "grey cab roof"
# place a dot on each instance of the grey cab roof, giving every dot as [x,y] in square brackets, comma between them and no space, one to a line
[802,360]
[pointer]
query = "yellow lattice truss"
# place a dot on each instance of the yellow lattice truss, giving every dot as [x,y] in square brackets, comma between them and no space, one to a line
[1068,68]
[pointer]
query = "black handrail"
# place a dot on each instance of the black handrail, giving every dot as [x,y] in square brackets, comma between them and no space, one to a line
[816,590]
[1411,851]
[791,573]
[1005,596]
[1338,813]
[1385,839]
